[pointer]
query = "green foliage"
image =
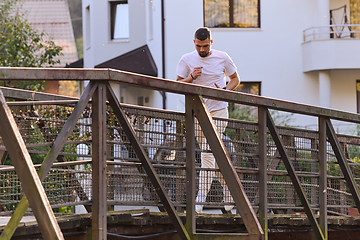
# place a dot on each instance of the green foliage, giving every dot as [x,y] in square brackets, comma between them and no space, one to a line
[282,119]
[245,113]
[23,46]
[67,209]
[248,113]
[80,47]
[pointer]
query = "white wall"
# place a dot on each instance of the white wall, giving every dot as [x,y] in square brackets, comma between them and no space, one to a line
[271,54]
[131,95]
[103,48]
[154,43]
[88,33]
[343,89]
[331,54]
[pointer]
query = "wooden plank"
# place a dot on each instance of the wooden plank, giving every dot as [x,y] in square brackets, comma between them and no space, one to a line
[323,177]
[263,208]
[99,194]
[21,94]
[190,165]
[224,162]
[227,236]
[159,84]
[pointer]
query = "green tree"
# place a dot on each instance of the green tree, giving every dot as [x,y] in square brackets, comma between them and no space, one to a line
[249,113]
[23,46]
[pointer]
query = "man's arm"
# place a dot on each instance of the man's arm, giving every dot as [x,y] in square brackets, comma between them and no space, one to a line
[234,81]
[192,76]
[188,79]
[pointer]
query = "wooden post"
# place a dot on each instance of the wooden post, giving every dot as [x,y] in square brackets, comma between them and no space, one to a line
[262,171]
[99,208]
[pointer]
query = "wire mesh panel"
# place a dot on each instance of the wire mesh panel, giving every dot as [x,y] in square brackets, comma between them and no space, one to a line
[241,143]
[65,185]
[10,193]
[302,149]
[162,135]
[40,126]
[340,199]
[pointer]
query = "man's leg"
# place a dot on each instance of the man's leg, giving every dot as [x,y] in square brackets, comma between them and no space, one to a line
[207,161]
[221,126]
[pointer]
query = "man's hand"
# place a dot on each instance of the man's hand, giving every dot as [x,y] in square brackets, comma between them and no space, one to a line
[217,85]
[196,72]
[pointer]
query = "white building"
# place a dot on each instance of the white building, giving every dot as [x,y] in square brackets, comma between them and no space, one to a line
[267,42]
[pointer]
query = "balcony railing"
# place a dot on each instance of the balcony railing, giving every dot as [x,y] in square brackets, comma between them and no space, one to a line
[343,31]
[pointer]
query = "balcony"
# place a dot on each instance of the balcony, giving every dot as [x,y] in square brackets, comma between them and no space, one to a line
[331,47]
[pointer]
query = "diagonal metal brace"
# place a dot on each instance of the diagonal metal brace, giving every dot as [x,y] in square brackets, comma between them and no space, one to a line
[49,159]
[344,166]
[294,178]
[146,164]
[227,169]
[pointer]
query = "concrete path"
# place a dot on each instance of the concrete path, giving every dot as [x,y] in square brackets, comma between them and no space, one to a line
[5,219]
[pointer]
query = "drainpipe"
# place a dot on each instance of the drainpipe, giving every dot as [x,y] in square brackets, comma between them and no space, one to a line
[163,49]
[163,59]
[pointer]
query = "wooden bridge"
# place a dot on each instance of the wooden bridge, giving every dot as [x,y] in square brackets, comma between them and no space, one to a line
[98,153]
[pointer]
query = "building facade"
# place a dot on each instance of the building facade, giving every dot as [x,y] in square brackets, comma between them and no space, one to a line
[301,51]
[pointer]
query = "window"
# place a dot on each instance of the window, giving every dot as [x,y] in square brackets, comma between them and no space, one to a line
[245,87]
[232,13]
[250,87]
[87,28]
[355,16]
[119,16]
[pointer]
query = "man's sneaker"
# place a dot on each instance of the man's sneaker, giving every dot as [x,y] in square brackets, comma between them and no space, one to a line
[199,198]
[228,207]
[228,199]
[198,208]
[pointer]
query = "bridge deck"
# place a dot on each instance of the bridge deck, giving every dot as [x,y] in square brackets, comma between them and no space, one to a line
[145,223]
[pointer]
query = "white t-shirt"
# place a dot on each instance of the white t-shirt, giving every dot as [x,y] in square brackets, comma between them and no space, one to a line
[215,67]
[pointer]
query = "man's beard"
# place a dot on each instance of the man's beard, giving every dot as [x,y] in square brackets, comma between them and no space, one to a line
[204,54]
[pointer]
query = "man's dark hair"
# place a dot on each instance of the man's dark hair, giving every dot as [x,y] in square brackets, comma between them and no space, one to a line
[203,33]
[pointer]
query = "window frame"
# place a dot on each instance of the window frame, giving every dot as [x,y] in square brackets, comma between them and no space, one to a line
[251,82]
[113,5]
[87,37]
[231,16]
[232,104]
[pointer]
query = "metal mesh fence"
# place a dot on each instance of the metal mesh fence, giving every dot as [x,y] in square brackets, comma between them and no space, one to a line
[162,135]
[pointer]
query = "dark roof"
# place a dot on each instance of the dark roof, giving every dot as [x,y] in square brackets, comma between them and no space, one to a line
[138,60]
[78,64]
